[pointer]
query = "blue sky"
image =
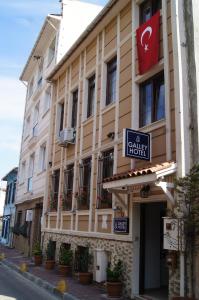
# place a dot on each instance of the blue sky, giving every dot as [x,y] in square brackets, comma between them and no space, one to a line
[20,23]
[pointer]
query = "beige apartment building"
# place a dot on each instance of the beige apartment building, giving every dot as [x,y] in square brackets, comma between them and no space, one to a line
[57,34]
[98,92]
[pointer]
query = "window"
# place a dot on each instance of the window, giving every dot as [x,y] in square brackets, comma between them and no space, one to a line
[47,100]
[19,218]
[9,193]
[105,170]
[111,81]
[55,190]
[74,109]
[13,191]
[8,190]
[27,127]
[61,121]
[84,184]
[68,187]
[35,120]
[23,172]
[30,87]
[148,8]
[91,96]
[152,100]
[51,51]
[30,172]
[40,73]
[42,158]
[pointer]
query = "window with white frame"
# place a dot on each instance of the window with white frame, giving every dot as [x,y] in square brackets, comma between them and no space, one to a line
[51,51]
[31,172]
[27,127]
[111,81]
[42,158]
[105,170]
[74,108]
[60,118]
[91,96]
[30,87]
[35,120]
[23,172]
[152,100]
[47,100]
[40,73]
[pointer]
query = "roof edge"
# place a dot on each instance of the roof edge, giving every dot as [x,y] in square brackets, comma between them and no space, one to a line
[49,16]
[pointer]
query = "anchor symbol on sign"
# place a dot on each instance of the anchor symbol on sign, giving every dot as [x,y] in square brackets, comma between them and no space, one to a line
[137,139]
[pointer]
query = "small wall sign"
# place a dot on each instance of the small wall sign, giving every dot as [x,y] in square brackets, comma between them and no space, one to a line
[121,225]
[136,144]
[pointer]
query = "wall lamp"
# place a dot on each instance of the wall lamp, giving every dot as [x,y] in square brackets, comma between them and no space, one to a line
[111,135]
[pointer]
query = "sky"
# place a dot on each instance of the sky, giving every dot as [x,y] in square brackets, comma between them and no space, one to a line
[20,24]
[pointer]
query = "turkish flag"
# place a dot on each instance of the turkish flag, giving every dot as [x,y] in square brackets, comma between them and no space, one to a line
[148,40]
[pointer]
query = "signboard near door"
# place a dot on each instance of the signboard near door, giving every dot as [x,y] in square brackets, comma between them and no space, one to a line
[136,144]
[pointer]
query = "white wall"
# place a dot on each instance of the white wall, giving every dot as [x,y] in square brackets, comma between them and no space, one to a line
[76,17]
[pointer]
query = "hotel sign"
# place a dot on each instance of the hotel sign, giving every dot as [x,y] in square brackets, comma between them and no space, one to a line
[121,225]
[136,144]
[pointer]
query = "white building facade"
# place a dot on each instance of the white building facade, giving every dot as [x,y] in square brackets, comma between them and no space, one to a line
[56,36]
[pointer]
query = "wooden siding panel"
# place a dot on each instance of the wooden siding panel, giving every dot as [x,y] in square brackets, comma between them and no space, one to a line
[83,222]
[66,222]
[109,224]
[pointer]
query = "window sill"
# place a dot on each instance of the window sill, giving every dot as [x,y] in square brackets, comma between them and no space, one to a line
[26,137]
[108,107]
[155,70]
[45,113]
[88,120]
[41,172]
[153,126]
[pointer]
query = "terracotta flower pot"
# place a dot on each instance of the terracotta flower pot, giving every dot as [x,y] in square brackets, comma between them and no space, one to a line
[85,278]
[64,270]
[50,264]
[114,289]
[38,260]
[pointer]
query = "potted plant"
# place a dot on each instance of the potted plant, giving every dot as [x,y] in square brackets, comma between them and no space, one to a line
[50,255]
[65,260]
[37,252]
[114,284]
[84,259]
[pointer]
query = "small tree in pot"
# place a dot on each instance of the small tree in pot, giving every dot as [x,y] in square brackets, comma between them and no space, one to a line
[83,261]
[65,260]
[37,252]
[50,255]
[114,284]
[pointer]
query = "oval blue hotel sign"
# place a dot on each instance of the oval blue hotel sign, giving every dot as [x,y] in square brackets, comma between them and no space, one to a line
[136,144]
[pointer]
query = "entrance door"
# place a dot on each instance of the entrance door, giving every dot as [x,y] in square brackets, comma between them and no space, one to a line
[153,270]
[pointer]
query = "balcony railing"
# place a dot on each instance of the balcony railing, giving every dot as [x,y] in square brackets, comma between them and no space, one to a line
[67,201]
[83,198]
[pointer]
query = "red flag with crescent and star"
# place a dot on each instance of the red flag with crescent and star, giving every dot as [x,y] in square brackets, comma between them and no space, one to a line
[148,40]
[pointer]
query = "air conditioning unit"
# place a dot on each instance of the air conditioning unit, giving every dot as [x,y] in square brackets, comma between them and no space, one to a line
[66,136]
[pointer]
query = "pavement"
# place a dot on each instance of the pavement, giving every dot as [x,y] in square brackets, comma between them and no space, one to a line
[48,279]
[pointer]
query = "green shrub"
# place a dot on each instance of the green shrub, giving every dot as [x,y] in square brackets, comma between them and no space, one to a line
[115,274]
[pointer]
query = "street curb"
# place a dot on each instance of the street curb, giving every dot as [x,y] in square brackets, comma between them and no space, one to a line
[38,281]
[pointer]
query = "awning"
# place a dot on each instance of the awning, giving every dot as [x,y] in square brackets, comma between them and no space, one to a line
[120,183]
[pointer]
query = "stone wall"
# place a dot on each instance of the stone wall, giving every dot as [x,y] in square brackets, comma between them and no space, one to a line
[118,250]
